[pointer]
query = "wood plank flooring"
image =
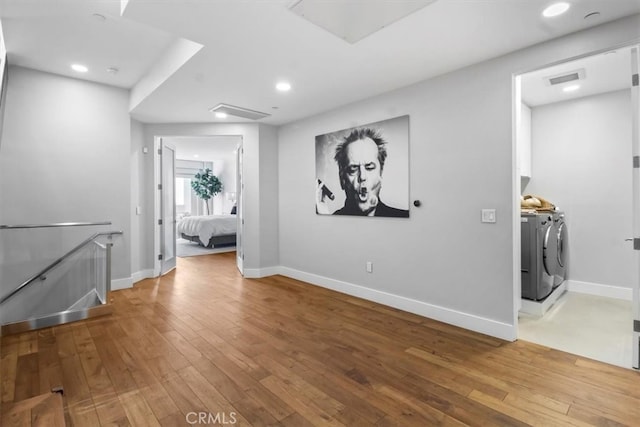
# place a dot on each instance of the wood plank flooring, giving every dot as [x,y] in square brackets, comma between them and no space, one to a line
[45,410]
[203,346]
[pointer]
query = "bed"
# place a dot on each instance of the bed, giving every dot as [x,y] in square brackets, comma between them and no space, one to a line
[209,230]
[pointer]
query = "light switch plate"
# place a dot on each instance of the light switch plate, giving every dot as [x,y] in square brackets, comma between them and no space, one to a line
[489,215]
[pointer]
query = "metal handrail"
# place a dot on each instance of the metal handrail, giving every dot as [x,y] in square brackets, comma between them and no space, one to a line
[58,224]
[56,262]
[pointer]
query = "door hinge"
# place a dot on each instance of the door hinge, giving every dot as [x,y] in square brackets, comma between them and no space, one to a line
[636,244]
[159,186]
[160,257]
[636,162]
[636,326]
[159,222]
[160,151]
[635,80]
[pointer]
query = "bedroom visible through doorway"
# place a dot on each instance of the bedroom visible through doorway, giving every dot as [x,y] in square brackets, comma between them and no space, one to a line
[205,194]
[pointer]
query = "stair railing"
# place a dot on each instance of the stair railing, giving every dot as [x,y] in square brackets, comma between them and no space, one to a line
[66,315]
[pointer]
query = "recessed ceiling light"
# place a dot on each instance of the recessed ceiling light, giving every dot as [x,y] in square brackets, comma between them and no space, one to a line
[571,88]
[79,68]
[220,115]
[283,86]
[112,70]
[556,9]
[196,155]
[592,15]
[98,17]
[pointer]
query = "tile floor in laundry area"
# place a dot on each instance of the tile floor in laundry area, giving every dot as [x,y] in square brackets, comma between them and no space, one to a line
[591,326]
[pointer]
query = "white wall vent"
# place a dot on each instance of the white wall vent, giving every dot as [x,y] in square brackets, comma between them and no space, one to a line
[565,77]
[232,110]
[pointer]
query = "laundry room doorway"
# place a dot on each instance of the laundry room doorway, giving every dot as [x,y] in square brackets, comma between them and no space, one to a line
[577,165]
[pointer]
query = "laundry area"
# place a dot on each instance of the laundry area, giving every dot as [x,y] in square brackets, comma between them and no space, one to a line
[578,266]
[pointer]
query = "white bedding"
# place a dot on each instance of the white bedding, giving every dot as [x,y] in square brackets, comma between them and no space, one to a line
[207,226]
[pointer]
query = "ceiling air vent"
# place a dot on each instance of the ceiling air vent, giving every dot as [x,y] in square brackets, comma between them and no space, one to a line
[232,110]
[565,77]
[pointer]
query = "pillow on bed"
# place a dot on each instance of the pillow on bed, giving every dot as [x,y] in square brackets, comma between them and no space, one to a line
[233,210]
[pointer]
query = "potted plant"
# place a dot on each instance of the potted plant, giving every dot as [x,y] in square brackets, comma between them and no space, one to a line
[206,185]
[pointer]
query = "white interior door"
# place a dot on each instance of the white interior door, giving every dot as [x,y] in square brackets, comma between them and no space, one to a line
[239,209]
[635,101]
[167,208]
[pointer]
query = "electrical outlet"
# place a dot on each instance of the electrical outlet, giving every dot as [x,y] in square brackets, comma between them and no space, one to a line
[369,267]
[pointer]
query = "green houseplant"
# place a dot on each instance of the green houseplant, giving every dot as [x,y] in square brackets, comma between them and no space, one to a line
[206,185]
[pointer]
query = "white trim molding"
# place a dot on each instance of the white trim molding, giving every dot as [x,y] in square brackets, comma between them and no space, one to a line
[468,321]
[617,292]
[141,275]
[257,273]
[117,284]
[126,283]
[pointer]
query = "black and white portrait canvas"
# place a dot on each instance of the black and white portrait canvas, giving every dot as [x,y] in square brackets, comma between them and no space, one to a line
[364,170]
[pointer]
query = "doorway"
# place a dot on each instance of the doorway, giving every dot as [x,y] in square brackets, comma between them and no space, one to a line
[574,149]
[189,224]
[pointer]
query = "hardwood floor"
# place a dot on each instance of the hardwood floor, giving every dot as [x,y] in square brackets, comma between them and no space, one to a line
[203,346]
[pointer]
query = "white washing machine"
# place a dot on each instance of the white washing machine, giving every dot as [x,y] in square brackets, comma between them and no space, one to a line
[537,266]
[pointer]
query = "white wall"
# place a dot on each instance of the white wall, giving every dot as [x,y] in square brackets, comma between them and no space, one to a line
[65,157]
[224,167]
[3,53]
[269,247]
[441,262]
[582,163]
[524,140]
[258,224]
[141,259]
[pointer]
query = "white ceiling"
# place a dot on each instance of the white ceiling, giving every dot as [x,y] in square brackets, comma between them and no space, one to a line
[605,72]
[204,148]
[249,45]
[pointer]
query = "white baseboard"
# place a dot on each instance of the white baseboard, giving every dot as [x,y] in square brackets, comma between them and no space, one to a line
[142,274]
[128,282]
[600,290]
[256,273]
[539,308]
[482,325]
[117,284]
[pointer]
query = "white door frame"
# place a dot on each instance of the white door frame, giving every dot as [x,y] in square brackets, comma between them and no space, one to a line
[157,201]
[158,194]
[516,99]
[240,206]
[157,179]
[635,136]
